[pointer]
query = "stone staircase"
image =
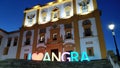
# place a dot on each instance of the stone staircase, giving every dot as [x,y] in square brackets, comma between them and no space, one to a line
[12,63]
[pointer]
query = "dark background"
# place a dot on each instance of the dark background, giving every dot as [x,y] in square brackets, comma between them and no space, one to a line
[11,16]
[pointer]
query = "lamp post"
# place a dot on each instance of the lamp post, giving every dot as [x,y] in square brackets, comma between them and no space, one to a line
[111,27]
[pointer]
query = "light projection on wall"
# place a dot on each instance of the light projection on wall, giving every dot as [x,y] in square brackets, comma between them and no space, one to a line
[74,56]
[85,6]
[55,14]
[44,16]
[30,19]
[68,12]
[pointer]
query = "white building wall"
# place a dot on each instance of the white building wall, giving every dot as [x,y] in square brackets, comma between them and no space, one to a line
[94,39]
[49,12]
[27,20]
[12,49]
[26,49]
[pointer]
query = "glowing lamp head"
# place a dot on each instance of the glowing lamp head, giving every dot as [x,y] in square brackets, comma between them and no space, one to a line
[111,26]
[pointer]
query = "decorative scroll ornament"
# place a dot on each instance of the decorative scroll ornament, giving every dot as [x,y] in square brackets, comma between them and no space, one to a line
[30,17]
[84,5]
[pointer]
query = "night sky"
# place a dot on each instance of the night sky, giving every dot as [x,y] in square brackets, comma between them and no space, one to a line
[11,16]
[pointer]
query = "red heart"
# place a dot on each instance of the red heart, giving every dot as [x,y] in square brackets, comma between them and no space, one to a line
[37,57]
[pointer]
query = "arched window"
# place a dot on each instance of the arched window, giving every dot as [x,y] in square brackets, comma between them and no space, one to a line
[15,41]
[90,51]
[28,38]
[55,14]
[68,32]
[86,22]
[42,35]
[87,28]
[9,42]
[67,10]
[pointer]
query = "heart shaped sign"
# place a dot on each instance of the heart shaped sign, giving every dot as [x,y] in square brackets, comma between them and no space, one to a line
[37,57]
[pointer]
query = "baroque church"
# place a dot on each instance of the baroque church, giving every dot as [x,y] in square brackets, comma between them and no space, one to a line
[58,26]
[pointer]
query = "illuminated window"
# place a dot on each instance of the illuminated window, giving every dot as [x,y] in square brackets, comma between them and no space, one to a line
[42,39]
[44,15]
[90,51]
[15,41]
[67,13]
[27,41]
[67,10]
[9,42]
[28,38]
[87,28]
[55,36]
[55,14]
[68,28]
[42,35]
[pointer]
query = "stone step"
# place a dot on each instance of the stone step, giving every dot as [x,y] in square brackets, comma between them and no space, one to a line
[13,63]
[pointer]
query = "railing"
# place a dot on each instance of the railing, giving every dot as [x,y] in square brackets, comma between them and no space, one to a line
[115,65]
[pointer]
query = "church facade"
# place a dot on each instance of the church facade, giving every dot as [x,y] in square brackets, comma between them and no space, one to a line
[59,26]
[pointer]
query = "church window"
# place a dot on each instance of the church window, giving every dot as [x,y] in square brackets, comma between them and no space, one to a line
[44,15]
[9,42]
[55,14]
[15,41]
[87,28]
[55,36]
[90,51]
[67,10]
[42,35]
[28,38]
[42,39]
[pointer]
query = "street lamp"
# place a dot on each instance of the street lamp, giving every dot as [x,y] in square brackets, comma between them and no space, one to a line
[111,27]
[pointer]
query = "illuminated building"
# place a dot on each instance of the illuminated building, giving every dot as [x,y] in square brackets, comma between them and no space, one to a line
[59,26]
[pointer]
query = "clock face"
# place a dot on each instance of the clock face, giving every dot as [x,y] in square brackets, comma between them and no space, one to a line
[30,18]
